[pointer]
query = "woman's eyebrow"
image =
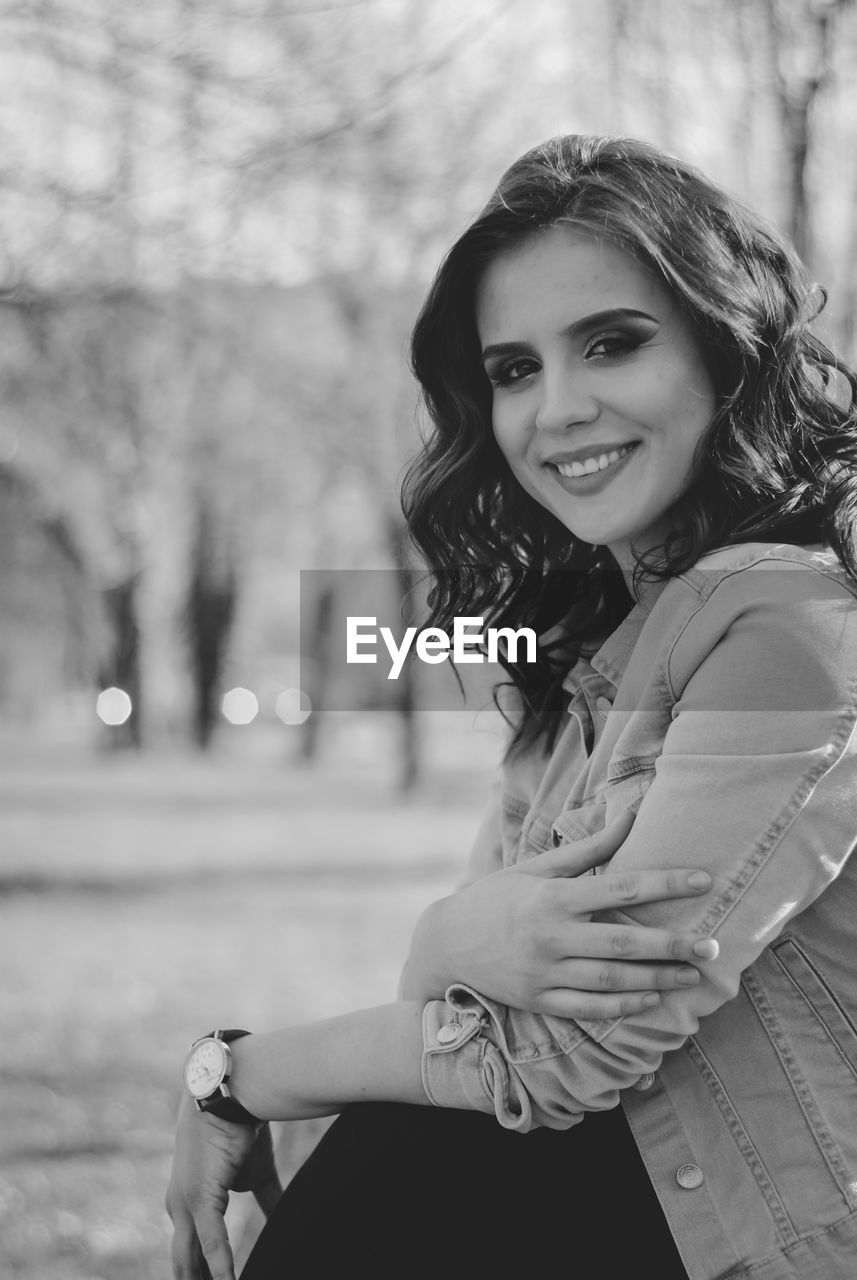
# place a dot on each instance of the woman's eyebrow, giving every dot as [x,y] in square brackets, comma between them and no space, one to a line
[592,321]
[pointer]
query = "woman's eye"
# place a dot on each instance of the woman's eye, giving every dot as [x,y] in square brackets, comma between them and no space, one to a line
[512,372]
[612,344]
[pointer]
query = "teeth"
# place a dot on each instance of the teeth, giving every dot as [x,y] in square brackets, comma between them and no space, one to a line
[589,466]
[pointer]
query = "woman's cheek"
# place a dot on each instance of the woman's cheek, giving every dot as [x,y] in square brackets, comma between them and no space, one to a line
[510,435]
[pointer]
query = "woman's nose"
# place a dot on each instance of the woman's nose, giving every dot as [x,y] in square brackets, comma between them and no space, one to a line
[565,401]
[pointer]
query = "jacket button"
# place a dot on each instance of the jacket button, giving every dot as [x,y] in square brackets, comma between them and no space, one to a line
[644,1083]
[449,1033]
[603,706]
[689,1176]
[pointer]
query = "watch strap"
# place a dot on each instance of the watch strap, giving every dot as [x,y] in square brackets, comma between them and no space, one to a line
[228,1109]
[228,1036]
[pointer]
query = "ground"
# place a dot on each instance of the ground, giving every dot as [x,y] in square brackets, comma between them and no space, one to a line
[146,899]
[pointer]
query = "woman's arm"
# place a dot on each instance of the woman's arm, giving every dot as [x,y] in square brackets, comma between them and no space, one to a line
[310,1070]
[318,1068]
[524,936]
[377,1054]
[758,775]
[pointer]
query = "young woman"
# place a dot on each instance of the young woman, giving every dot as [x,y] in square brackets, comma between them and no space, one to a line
[640,450]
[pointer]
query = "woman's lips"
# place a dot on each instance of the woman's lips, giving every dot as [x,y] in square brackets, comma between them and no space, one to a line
[593,481]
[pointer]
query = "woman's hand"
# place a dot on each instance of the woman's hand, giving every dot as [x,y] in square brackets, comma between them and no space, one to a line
[523,935]
[212,1157]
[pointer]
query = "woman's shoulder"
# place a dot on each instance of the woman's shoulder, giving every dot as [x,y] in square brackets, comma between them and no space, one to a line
[744,561]
[777,578]
[770,602]
[742,554]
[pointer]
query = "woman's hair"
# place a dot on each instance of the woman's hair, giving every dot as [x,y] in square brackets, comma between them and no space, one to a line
[779,459]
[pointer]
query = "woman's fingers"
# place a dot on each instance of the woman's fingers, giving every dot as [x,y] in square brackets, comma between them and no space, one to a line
[214,1242]
[200,1246]
[614,976]
[187,1258]
[636,942]
[267,1195]
[561,1002]
[621,889]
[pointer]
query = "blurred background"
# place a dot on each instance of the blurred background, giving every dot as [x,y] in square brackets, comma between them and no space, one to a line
[217,220]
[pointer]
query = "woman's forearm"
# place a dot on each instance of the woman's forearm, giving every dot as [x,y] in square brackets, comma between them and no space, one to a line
[318,1068]
[425,975]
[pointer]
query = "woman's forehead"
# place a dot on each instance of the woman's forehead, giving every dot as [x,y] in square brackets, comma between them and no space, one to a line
[563,274]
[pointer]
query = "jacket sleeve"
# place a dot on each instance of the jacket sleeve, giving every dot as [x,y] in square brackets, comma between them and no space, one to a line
[756,783]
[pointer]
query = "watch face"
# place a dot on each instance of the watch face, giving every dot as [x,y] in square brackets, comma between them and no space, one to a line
[205,1068]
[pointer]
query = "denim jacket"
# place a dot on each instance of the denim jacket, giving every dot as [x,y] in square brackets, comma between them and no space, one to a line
[724,715]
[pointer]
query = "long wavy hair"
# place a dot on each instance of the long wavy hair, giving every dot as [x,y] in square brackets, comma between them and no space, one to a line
[778,461]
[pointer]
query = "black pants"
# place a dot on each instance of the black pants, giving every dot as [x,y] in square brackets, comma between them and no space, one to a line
[396,1192]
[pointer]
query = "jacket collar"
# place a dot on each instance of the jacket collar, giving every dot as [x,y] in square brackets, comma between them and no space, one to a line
[610,657]
[611,660]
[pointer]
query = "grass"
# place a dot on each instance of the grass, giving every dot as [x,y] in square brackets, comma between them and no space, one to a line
[144,900]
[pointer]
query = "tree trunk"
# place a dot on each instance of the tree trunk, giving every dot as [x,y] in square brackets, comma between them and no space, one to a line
[406,688]
[318,671]
[799,82]
[212,597]
[122,668]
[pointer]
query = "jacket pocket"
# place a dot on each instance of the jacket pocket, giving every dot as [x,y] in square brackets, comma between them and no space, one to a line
[626,785]
[580,821]
[833,1022]
[816,1044]
[631,767]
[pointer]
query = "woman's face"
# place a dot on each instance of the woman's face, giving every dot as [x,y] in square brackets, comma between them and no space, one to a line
[600,391]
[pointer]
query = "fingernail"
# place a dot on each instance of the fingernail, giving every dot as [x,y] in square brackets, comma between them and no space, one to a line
[688,977]
[706,948]
[650,999]
[699,880]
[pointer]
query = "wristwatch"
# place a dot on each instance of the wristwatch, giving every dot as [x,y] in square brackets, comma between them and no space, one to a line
[207,1069]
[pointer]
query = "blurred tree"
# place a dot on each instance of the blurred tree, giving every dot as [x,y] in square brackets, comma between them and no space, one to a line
[799,41]
[50,624]
[222,214]
[211,612]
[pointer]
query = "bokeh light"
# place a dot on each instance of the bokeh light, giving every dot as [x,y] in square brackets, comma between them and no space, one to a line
[113,706]
[293,706]
[240,706]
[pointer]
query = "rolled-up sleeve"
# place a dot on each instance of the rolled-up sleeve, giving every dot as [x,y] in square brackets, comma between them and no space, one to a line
[756,783]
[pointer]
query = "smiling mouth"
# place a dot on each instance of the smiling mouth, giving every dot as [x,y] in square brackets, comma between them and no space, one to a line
[597,462]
